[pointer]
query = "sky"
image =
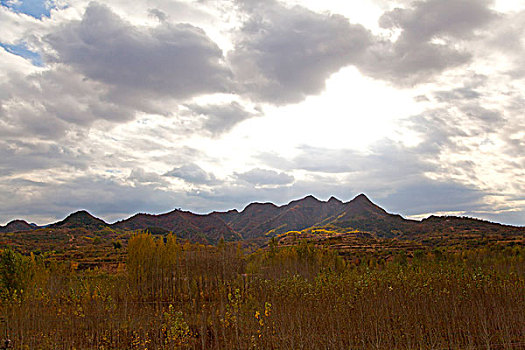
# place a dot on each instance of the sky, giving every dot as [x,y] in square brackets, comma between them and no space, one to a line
[119,107]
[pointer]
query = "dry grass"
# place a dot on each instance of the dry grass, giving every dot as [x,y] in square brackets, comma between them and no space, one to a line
[289,298]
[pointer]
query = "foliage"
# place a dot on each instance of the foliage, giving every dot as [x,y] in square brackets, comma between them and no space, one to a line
[176,330]
[15,271]
[175,294]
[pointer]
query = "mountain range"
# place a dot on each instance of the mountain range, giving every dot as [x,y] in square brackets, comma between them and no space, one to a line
[260,221]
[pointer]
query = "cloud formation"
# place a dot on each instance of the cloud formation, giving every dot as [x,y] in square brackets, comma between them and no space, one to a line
[261,177]
[54,102]
[147,107]
[430,39]
[192,173]
[168,60]
[284,54]
[20,156]
[219,118]
[102,196]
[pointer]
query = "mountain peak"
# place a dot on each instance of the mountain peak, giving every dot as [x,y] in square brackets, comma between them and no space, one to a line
[17,225]
[334,200]
[308,199]
[361,198]
[81,213]
[258,205]
[81,218]
[17,221]
[362,204]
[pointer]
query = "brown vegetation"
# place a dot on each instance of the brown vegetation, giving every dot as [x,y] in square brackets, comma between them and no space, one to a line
[175,295]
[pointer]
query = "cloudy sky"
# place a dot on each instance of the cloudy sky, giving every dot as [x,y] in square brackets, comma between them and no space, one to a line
[124,106]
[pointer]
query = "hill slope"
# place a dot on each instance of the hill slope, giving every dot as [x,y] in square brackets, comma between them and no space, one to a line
[17,225]
[259,221]
[80,219]
[361,214]
[197,228]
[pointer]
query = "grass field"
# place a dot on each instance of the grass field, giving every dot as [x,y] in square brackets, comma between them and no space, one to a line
[170,295]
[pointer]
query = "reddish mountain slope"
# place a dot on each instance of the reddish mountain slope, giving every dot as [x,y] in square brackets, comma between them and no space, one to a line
[198,228]
[261,220]
[361,214]
[80,219]
[250,218]
[297,215]
[16,226]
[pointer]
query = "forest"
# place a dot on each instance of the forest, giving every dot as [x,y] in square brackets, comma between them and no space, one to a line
[170,294]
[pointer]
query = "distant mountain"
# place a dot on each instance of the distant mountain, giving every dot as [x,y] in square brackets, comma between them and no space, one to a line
[259,221]
[17,225]
[267,219]
[247,221]
[361,214]
[297,215]
[197,228]
[454,223]
[80,219]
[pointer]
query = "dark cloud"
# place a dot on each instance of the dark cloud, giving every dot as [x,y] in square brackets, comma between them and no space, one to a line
[283,54]
[457,94]
[491,118]
[506,37]
[410,64]
[169,60]
[260,177]
[158,14]
[387,158]
[141,176]
[103,68]
[430,34]
[105,197]
[439,129]
[18,157]
[424,195]
[219,119]
[48,104]
[430,19]
[327,160]
[192,173]
[444,129]
[470,90]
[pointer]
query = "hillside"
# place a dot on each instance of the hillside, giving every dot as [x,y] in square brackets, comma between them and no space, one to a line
[250,218]
[80,219]
[260,221]
[196,228]
[17,225]
[361,214]
[266,219]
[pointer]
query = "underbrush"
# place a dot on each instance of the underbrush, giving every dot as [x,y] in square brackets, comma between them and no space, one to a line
[301,297]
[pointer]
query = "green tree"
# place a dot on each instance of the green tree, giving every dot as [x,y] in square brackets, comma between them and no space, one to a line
[16,271]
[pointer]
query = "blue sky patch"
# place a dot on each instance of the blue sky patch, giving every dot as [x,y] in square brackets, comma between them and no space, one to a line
[22,51]
[34,8]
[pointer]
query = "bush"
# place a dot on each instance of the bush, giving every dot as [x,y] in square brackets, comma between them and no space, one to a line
[16,271]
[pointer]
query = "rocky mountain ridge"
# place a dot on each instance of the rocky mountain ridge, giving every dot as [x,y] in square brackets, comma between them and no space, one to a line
[259,221]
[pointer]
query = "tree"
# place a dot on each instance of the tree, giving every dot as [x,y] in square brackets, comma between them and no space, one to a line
[16,271]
